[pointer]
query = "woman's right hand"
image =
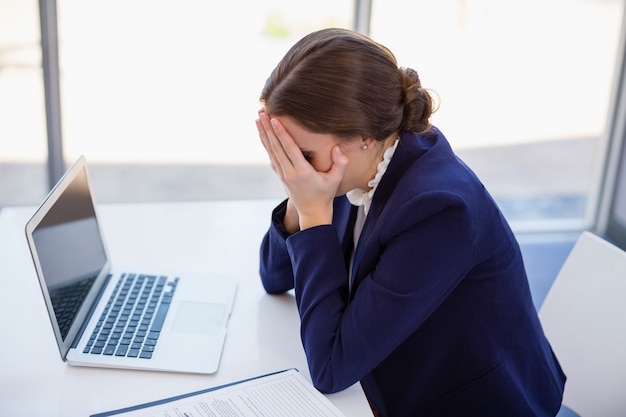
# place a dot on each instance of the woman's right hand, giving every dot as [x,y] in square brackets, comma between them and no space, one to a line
[311,193]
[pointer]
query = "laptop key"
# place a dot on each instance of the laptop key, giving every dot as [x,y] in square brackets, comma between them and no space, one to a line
[159,317]
[121,350]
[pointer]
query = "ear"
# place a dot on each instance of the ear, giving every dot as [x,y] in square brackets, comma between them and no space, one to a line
[367,142]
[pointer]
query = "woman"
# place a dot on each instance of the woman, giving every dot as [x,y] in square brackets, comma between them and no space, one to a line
[407,277]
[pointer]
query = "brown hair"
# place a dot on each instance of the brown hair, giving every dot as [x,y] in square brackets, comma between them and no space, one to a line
[341,82]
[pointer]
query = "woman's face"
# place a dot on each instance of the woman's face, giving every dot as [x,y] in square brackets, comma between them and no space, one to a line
[316,148]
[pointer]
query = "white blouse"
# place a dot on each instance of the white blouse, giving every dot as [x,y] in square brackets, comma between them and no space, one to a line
[363,199]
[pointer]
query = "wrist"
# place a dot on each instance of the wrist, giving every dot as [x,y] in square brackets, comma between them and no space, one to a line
[291,220]
[315,219]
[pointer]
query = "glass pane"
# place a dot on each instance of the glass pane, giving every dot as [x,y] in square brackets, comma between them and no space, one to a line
[524,90]
[161,96]
[23,149]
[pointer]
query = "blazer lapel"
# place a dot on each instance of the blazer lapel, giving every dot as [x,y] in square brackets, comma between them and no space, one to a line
[406,153]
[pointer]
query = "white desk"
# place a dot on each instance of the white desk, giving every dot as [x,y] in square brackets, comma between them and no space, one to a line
[210,236]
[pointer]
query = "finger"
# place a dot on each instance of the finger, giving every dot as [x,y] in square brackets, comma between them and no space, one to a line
[289,146]
[274,146]
[340,162]
[277,137]
[263,136]
[268,136]
[266,145]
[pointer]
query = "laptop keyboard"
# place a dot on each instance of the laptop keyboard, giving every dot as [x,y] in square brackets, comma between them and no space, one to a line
[131,322]
[66,301]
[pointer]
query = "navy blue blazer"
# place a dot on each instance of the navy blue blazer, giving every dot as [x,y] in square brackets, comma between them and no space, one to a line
[440,320]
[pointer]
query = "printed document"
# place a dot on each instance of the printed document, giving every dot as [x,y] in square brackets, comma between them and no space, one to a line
[284,393]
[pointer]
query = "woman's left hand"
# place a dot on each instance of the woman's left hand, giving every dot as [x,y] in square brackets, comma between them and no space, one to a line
[311,192]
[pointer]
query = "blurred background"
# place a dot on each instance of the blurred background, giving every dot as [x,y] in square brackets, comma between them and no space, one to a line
[161,96]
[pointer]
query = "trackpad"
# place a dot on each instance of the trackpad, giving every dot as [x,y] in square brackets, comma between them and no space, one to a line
[199,318]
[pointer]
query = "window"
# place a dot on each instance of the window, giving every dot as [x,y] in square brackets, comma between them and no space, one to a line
[524,89]
[161,96]
[169,91]
[22,120]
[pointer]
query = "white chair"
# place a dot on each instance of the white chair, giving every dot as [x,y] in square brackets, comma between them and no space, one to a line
[584,318]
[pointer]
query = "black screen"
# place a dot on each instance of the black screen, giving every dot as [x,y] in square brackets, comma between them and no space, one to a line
[70,250]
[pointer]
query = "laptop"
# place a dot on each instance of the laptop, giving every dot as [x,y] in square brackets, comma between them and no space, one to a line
[130,318]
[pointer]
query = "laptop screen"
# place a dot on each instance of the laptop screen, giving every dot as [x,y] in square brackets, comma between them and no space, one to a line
[70,250]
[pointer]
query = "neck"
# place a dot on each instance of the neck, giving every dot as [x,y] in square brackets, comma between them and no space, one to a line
[381,148]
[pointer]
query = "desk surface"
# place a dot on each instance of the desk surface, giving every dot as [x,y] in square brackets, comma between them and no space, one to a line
[221,237]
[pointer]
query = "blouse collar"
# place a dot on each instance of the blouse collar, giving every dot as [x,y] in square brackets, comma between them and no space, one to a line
[358,197]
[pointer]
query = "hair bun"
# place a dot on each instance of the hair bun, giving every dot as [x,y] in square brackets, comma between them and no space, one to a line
[418,103]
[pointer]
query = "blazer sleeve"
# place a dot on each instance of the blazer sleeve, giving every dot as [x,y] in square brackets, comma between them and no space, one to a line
[408,278]
[275,265]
